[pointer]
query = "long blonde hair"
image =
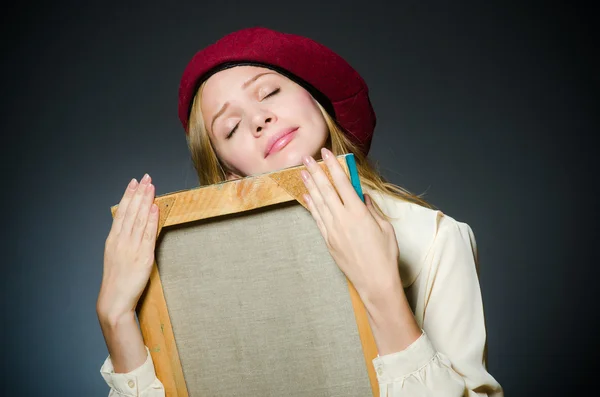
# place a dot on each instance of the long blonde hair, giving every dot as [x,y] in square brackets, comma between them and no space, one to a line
[210,169]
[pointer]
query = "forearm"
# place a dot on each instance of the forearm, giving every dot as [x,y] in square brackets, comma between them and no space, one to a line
[124,342]
[391,319]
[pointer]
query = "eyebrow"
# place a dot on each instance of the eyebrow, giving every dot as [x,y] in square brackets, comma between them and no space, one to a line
[244,86]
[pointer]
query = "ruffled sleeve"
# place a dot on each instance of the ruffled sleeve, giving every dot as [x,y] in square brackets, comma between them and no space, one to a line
[141,382]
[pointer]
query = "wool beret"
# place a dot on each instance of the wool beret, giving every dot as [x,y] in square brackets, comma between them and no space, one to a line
[326,75]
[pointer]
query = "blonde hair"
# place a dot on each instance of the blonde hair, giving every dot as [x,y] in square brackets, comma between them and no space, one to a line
[210,169]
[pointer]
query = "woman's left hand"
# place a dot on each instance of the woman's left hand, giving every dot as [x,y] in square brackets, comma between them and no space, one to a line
[360,240]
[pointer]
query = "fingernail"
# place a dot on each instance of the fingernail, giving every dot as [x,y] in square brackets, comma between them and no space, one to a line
[304,175]
[325,153]
[306,198]
[133,184]
[145,178]
[308,160]
[154,208]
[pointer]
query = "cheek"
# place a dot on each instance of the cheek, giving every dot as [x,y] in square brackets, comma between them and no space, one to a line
[241,155]
[308,103]
[307,110]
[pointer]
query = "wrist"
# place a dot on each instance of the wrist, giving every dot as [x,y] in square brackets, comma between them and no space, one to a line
[124,341]
[112,319]
[377,298]
[391,319]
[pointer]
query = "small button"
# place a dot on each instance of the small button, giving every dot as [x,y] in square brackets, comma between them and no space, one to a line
[379,371]
[131,384]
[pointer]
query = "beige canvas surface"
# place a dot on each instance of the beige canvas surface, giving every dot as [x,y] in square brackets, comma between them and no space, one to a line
[259,307]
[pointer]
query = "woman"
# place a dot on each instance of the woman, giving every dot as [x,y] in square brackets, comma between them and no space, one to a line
[260,100]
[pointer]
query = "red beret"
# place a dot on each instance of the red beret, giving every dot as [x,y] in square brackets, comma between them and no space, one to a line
[327,76]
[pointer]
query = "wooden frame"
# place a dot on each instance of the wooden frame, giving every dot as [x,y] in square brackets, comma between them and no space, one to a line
[212,201]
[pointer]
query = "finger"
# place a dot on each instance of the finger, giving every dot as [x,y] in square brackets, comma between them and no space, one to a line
[139,226]
[134,206]
[374,212]
[340,179]
[122,207]
[328,194]
[316,198]
[149,236]
[316,216]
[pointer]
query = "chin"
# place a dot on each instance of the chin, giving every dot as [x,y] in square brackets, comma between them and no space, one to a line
[292,156]
[285,158]
[291,160]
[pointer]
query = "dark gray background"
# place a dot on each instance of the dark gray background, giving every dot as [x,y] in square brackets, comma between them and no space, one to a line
[490,107]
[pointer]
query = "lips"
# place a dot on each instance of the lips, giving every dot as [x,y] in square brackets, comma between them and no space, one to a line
[279,140]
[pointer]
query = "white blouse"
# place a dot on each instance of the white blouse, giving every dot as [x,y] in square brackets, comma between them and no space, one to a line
[438,267]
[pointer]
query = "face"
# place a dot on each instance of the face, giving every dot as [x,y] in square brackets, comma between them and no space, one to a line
[260,121]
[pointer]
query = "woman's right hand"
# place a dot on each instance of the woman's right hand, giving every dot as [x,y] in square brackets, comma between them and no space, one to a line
[129,251]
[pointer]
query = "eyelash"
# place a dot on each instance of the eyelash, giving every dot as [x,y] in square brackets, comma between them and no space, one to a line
[237,125]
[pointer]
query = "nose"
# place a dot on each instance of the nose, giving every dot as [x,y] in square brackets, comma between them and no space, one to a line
[261,121]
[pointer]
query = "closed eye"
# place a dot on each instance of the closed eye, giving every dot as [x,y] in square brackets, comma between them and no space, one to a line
[237,125]
[272,93]
[232,131]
